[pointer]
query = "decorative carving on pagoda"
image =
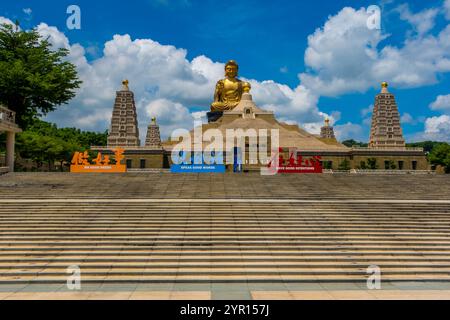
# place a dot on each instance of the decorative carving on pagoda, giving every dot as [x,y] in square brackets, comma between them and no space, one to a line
[153,135]
[386,132]
[327,131]
[124,131]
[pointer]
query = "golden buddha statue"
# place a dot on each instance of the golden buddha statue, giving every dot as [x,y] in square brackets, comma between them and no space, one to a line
[229,91]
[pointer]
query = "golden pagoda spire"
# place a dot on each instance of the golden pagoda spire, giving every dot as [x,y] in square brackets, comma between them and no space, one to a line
[125,85]
[246,87]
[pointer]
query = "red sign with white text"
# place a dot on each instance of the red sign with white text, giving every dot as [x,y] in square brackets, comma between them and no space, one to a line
[298,163]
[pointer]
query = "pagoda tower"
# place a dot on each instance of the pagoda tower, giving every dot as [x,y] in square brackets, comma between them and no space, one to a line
[153,135]
[124,131]
[386,131]
[327,131]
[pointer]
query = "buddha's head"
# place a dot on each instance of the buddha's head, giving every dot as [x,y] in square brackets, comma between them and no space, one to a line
[231,69]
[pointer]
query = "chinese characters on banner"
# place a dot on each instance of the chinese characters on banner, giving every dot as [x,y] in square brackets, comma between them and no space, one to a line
[296,163]
[80,162]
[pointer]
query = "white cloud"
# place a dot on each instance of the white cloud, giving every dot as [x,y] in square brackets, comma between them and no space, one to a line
[441,103]
[407,118]
[345,56]
[91,120]
[437,128]
[366,111]
[367,122]
[351,131]
[284,69]
[27,11]
[172,114]
[447,9]
[54,36]
[340,54]
[422,22]
[335,117]
[4,20]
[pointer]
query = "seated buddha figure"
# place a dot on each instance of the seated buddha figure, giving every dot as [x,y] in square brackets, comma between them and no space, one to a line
[229,91]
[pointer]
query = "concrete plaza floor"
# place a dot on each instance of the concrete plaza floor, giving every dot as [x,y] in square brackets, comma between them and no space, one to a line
[217,291]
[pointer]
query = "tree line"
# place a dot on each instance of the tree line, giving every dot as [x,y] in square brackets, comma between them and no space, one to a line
[46,144]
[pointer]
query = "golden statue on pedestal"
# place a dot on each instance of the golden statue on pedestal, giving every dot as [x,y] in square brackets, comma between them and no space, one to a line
[229,91]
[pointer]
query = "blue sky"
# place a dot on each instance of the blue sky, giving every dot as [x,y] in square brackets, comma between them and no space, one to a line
[306,59]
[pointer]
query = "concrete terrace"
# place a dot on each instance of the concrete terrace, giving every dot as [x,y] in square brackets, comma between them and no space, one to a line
[165,185]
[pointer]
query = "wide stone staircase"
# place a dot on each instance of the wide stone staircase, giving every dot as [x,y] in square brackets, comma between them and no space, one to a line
[241,240]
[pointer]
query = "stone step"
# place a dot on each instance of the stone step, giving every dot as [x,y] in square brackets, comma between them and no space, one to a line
[239,263]
[305,244]
[306,235]
[213,214]
[231,255]
[317,228]
[238,245]
[247,272]
[219,204]
[326,278]
[261,258]
[229,271]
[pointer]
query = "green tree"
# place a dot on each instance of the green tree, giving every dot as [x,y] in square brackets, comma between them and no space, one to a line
[372,163]
[350,143]
[34,79]
[427,146]
[440,155]
[85,139]
[344,165]
[327,165]
[29,146]
[44,142]
[363,165]
[392,165]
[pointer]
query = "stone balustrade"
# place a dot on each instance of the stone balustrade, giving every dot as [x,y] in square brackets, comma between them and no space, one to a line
[388,148]
[7,115]
[378,171]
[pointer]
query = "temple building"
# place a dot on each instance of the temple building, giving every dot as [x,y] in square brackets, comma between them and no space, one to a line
[386,131]
[233,108]
[9,126]
[327,131]
[124,133]
[153,135]
[124,130]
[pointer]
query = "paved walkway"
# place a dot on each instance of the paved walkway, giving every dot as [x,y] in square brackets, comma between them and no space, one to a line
[312,291]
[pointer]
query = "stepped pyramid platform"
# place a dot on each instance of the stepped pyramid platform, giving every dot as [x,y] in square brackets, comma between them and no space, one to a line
[247,115]
[166,236]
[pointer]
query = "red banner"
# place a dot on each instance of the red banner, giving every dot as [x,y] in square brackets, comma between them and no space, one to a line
[298,163]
